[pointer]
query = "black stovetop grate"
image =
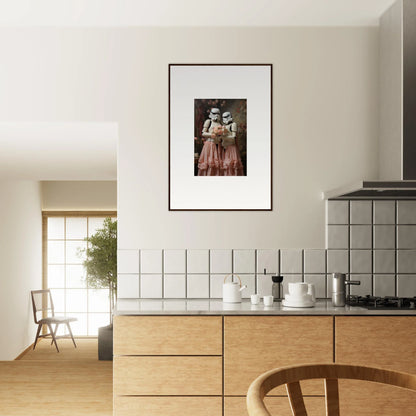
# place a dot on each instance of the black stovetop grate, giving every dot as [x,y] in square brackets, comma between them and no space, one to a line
[387,302]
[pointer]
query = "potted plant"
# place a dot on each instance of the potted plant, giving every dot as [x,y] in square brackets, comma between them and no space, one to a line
[101,267]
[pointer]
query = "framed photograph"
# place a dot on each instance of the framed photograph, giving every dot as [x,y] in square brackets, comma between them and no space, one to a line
[220,137]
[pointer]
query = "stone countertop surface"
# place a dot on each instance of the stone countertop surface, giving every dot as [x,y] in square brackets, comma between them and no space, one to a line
[217,307]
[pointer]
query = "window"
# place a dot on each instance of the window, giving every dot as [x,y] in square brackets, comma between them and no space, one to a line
[64,274]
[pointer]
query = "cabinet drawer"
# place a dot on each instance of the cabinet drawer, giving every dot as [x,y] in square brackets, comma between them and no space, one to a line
[368,399]
[181,376]
[168,406]
[236,406]
[253,345]
[167,335]
[377,341]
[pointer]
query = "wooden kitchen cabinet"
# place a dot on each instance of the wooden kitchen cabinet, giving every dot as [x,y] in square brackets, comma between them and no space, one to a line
[377,341]
[255,344]
[167,365]
[168,376]
[167,335]
[168,406]
[236,406]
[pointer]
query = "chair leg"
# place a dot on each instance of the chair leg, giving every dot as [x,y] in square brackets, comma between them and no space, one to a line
[37,335]
[53,337]
[70,333]
[56,330]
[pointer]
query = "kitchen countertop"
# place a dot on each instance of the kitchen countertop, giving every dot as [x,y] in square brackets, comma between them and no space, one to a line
[217,307]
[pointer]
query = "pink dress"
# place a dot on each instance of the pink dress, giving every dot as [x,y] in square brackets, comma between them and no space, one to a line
[209,162]
[232,161]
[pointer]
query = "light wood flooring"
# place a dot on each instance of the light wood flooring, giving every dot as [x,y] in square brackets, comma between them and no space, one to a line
[43,382]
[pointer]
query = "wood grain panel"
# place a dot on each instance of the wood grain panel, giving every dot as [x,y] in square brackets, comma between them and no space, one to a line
[167,335]
[236,406]
[381,341]
[368,399]
[181,376]
[253,345]
[168,406]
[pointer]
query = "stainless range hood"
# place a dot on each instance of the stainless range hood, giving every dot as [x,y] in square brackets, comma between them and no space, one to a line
[375,190]
[397,128]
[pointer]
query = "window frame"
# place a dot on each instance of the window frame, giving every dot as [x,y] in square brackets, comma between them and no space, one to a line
[66,214]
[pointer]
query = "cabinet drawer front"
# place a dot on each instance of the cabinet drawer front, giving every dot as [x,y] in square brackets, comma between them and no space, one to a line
[236,406]
[168,406]
[368,399]
[377,341]
[181,376]
[253,345]
[167,335]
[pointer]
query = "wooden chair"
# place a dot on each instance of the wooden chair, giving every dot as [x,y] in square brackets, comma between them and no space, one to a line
[42,302]
[330,373]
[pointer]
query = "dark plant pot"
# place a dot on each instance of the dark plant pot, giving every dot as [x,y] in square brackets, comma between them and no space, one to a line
[105,343]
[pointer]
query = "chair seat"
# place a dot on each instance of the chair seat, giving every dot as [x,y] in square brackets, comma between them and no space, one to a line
[57,320]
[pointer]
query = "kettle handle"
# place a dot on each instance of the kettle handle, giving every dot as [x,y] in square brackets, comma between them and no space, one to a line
[233,274]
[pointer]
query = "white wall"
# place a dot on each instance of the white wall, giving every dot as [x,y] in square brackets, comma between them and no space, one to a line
[20,264]
[79,195]
[325,118]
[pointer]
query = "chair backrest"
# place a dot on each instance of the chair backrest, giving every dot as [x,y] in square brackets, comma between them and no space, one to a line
[42,303]
[330,373]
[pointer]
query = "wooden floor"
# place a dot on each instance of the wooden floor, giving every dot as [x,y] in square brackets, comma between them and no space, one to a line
[43,382]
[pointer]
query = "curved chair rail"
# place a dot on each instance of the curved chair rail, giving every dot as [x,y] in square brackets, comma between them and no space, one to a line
[291,376]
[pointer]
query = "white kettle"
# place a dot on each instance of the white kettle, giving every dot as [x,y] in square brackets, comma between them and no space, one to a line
[231,291]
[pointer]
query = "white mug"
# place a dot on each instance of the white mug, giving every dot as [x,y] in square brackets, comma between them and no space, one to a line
[311,291]
[268,300]
[255,299]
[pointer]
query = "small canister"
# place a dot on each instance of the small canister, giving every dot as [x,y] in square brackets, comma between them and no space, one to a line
[277,288]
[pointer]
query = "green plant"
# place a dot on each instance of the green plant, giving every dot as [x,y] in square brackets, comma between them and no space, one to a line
[101,260]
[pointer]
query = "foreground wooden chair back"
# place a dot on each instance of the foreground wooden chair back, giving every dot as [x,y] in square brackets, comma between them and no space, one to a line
[290,376]
[42,304]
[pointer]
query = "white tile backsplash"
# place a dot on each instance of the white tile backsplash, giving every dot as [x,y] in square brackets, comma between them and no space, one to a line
[216,281]
[197,261]
[128,261]
[264,284]
[314,261]
[151,261]
[174,286]
[361,212]
[406,261]
[365,287]
[337,212]
[384,285]
[406,285]
[360,261]
[384,212]
[220,261]
[378,240]
[198,286]
[128,286]
[250,281]
[151,286]
[406,212]
[174,261]
[360,236]
[291,261]
[269,260]
[337,236]
[319,280]
[244,261]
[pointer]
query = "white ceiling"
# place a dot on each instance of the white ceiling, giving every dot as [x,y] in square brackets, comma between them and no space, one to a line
[58,151]
[191,12]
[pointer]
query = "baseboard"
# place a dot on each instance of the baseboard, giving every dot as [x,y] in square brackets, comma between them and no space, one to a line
[24,352]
